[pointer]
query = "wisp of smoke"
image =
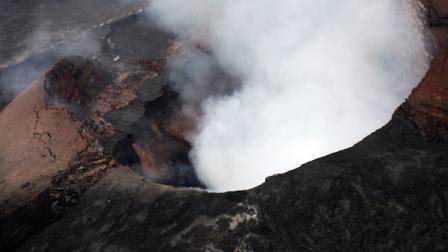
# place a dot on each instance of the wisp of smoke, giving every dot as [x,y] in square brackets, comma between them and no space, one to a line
[20,76]
[317,76]
[46,51]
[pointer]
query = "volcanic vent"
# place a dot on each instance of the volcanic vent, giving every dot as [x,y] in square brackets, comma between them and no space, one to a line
[312,81]
[131,112]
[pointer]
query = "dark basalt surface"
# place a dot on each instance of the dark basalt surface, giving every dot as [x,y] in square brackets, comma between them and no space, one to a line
[75,81]
[140,109]
[387,193]
[60,21]
[54,203]
[105,34]
[117,101]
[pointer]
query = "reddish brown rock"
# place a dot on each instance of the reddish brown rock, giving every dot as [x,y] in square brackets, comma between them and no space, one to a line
[37,141]
[427,106]
[75,80]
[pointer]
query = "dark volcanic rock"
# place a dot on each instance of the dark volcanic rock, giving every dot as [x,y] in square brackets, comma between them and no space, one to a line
[92,29]
[75,81]
[132,113]
[51,157]
[372,197]
[52,204]
[30,26]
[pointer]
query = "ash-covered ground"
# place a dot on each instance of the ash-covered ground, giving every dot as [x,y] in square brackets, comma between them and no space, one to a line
[35,34]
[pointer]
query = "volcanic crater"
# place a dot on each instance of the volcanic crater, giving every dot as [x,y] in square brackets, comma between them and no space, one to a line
[94,157]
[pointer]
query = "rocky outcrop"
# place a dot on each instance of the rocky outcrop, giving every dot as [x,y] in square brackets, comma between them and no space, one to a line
[81,119]
[75,81]
[86,119]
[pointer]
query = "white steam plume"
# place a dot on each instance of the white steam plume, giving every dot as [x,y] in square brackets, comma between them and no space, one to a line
[317,76]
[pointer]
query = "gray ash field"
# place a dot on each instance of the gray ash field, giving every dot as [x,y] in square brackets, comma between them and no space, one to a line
[35,34]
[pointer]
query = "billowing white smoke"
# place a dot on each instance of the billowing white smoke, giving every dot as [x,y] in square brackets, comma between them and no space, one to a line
[317,76]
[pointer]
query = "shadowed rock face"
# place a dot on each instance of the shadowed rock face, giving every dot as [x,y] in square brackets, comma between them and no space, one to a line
[75,81]
[132,113]
[386,193]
